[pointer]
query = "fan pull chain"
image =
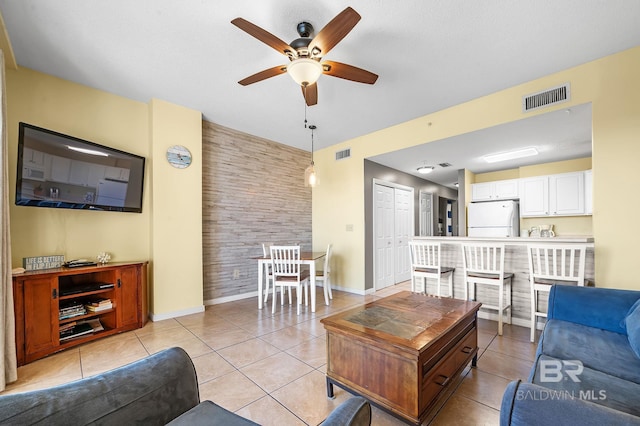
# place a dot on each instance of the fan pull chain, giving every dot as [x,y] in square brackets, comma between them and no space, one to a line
[304,89]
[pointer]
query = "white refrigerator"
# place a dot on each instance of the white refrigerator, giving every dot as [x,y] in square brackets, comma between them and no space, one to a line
[111,193]
[493,219]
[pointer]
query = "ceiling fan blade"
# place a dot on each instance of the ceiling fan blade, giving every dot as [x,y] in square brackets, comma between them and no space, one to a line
[263,75]
[348,72]
[264,36]
[333,32]
[310,94]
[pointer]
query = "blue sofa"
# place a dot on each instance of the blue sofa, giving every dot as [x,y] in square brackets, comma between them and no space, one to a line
[587,368]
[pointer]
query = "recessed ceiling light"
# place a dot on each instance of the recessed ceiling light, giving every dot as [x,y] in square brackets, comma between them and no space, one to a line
[510,155]
[425,169]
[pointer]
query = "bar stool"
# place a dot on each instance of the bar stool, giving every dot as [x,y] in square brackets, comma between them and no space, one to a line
[551,264]
[484,264]
[426,263]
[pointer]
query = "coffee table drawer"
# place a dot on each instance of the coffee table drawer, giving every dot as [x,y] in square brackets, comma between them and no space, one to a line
[445,371]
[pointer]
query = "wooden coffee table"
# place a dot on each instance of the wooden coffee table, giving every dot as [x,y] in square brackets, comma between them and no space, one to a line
[404,353]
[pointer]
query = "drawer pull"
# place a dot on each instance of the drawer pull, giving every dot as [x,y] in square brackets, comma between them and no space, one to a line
[444,382]
[467,349]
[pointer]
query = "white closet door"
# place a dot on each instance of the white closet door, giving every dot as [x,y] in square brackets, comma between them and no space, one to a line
[392,229]
[384,236]
[403,231]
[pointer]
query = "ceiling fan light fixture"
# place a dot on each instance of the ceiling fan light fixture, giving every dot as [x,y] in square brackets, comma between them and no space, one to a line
[425,169]
[305,71]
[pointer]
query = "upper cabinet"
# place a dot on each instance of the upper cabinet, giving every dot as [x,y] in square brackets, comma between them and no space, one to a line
[554,195]
[534,196]
[497,190]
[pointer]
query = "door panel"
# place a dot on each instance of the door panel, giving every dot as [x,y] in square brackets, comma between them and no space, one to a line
[403,218]
[383,236]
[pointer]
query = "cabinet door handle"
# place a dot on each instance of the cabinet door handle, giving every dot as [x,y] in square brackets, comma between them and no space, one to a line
[443,382]
[118,282]
[467,349]
[54,293]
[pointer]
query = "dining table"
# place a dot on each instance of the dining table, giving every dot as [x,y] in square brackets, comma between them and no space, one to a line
[306,258]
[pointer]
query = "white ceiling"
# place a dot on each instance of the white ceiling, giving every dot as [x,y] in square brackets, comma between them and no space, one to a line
[429,54]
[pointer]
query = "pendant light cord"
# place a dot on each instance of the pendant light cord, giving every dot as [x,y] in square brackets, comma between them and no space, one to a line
[312,127]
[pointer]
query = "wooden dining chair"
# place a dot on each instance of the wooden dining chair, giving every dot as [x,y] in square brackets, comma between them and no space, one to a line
[287,274]
[551,264]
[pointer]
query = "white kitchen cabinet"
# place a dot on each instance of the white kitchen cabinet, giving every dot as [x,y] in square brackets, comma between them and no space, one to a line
[96,174]
[60,168]
[497,190]
[79,172]
[566,194]
[553,195]
[33,157]
[117,173]
[588,192]
[534,196]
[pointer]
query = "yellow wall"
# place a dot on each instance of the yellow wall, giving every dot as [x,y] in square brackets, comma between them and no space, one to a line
[493,176]
[176,212]
[130,126]
[610,84]
[89,114]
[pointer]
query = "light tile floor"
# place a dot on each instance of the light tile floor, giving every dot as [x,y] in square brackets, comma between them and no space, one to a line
[271,368]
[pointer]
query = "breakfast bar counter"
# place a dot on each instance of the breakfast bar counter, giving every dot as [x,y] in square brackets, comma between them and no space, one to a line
[516,261]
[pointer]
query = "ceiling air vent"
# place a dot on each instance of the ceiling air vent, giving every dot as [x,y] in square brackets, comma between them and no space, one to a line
[345,153]
[444,164]
[546,97]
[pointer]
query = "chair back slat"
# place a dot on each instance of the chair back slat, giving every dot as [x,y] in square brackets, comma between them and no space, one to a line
[425,254]
[557,262]
[483,258]
[285,261]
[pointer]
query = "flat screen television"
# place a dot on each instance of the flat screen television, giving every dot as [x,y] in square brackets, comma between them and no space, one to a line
[62,171]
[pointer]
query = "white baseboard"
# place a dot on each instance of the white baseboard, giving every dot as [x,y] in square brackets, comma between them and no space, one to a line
[233,298]
[175,314]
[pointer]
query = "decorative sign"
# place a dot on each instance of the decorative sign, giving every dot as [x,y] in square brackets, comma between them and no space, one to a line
[179,156]
[42,262]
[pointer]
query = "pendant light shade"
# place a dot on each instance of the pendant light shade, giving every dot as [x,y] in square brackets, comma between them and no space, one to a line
[310,177]
[304,71]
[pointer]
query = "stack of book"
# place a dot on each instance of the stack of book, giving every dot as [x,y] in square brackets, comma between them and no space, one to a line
[80,328]
[99,305]
[72,309]
[75,330]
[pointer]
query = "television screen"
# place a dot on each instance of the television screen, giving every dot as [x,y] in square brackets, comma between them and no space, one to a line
[61,171]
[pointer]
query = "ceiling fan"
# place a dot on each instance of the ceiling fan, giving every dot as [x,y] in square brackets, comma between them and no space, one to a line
[306,53]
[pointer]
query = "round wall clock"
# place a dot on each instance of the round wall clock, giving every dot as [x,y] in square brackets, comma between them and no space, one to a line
[179,156]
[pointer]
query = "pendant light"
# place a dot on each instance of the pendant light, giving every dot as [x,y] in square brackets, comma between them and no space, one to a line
[310,177]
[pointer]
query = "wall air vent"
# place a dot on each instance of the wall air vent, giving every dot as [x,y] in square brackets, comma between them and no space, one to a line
[345,153]
[547,97]
[444,164]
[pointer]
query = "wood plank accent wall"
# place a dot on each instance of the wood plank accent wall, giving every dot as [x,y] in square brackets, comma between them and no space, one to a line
[252,192]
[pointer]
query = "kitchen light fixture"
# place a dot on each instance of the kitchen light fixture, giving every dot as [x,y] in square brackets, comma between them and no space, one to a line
[88,151]
[510,155]
[310,177]
[423,170]
[305,71]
